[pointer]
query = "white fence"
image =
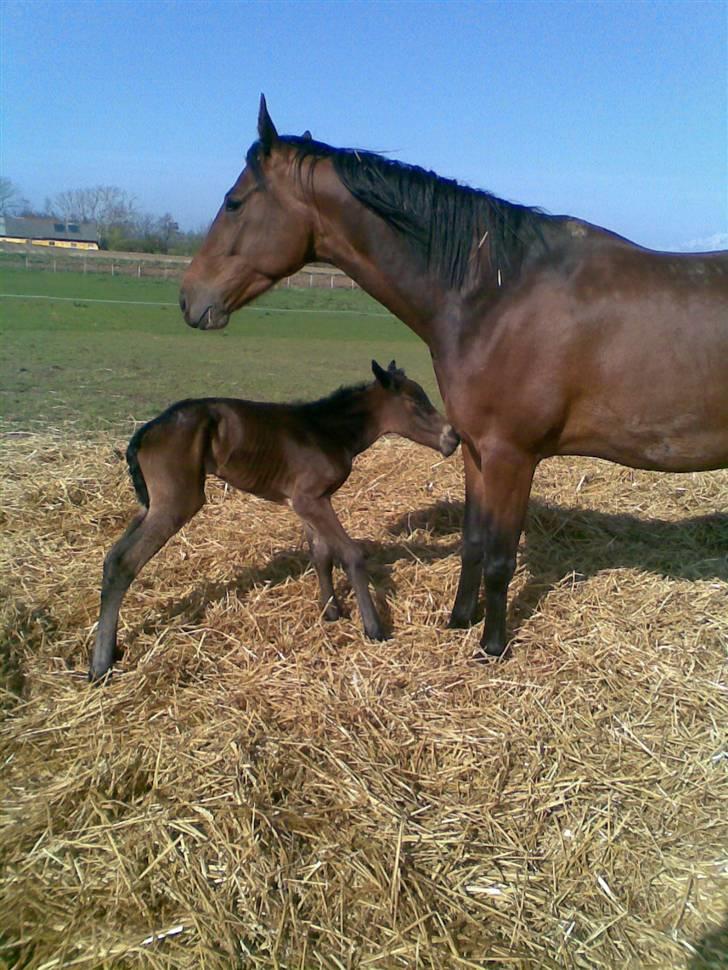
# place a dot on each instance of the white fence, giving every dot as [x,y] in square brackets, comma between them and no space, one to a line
[152,266]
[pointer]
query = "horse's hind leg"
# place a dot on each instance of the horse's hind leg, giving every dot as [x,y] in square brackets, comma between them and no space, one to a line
[143,539]
[318,514]
[323,561]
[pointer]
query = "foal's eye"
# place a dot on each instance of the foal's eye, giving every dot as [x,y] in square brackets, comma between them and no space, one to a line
[232,205]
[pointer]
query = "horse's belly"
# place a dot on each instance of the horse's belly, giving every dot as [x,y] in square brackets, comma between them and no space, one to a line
[682,441]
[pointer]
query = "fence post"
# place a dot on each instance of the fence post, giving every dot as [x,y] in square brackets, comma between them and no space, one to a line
[84,264]
[310,280]
[139,269]
[112,267]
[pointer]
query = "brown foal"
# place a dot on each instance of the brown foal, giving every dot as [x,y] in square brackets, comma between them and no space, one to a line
[288,453]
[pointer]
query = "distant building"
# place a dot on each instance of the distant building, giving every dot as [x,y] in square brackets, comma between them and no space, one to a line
[49,232]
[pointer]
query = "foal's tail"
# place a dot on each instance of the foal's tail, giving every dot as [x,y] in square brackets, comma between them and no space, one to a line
[135,469]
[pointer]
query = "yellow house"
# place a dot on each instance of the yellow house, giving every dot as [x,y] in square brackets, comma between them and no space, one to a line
[49,232]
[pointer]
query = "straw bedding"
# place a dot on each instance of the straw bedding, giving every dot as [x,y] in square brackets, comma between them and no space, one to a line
[257,788]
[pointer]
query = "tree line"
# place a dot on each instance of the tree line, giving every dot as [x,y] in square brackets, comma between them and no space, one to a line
[121,225]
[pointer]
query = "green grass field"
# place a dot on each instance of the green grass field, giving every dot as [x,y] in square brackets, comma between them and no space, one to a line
[68,360]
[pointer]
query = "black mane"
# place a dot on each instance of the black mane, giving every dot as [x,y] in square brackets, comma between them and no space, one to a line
[445,222]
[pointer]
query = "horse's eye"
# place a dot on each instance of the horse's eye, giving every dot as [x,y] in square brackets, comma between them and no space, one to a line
[232,205]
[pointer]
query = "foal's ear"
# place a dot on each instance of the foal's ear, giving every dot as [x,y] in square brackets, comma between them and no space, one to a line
[266,129]
[307,136]
[396,374]
[382,375]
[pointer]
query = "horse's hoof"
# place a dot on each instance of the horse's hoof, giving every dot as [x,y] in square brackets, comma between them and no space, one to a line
[459,622]
[489,652]
[332,613]
[97,679]
[377,635]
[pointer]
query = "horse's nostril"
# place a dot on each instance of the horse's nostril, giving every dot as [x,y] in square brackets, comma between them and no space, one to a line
[182,302]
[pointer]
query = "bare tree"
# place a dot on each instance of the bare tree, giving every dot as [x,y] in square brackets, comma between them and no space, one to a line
[106,205]
[11,198]
[168,230]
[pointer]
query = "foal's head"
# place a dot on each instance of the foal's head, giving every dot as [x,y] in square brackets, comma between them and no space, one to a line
[403,408]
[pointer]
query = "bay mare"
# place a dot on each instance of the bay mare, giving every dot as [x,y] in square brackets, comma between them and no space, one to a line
[548,335]
[296,454]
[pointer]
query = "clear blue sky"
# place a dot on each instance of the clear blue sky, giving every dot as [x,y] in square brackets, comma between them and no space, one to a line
[612,111]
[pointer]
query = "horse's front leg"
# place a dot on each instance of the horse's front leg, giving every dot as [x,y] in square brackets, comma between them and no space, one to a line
[473,549]
[507,477]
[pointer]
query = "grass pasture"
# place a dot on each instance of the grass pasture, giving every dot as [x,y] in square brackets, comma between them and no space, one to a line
[98,352]
[259,789]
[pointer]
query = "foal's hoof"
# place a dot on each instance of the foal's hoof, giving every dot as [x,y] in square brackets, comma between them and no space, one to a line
[332,613]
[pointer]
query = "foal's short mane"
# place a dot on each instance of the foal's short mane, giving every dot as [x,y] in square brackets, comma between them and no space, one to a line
[342,398]
[342,415]
[444,221]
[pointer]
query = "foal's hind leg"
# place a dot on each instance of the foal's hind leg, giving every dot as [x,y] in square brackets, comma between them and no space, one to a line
[323,561]
[143,539]
[317,513]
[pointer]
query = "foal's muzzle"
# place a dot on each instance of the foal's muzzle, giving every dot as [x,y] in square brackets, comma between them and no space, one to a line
[449,440]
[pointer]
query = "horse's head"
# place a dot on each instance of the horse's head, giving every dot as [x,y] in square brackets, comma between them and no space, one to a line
[405,409]
[262,233]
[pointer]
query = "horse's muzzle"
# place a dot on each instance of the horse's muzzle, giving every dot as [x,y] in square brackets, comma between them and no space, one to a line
[202,311]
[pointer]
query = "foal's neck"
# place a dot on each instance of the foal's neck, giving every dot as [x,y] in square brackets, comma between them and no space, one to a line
[347,419]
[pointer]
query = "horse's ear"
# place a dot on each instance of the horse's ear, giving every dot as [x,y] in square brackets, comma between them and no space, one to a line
[307,136]
[382,375]
[392,367]
[266,129]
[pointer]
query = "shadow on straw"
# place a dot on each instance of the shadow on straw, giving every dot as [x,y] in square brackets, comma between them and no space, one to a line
[711,953]
[289,564]
[563,541]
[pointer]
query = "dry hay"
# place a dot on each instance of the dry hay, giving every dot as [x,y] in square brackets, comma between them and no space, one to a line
[257,788]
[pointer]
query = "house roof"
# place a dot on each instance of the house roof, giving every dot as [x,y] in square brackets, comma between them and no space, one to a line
[23,228]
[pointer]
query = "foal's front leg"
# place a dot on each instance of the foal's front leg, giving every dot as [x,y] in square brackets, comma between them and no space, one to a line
[318,514]
[323,561]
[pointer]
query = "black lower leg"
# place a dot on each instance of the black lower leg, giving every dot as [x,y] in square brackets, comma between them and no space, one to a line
[500,564]
[471,573]
[471,569]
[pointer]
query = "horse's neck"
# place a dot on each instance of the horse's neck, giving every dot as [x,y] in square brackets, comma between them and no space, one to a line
[374,256]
